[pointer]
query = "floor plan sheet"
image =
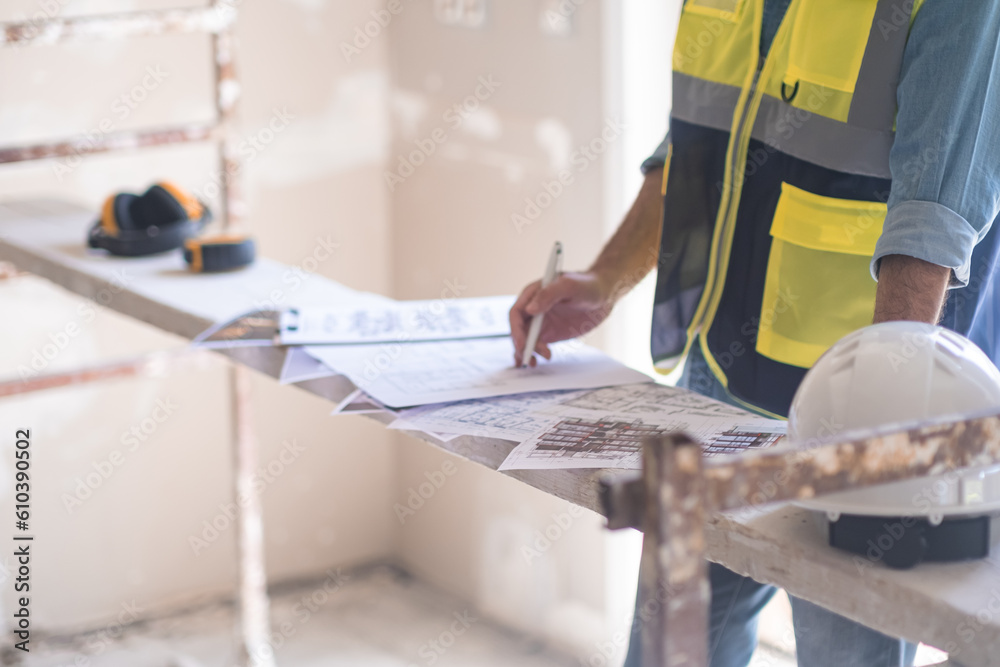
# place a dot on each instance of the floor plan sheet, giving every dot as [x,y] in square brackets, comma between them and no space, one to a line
[507,417]
[604,428]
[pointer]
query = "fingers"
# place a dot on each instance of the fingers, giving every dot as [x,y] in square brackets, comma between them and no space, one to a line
[520,320]
[563,288]
[535,300]
[541,350]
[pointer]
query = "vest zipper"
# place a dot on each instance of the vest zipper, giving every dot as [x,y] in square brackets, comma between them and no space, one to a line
[734,170]
[739,144]
[735,139]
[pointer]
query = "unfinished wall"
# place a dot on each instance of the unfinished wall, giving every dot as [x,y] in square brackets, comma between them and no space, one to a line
[487,121]
[135,535]
[445,161]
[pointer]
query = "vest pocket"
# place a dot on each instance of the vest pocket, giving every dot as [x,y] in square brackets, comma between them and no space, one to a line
[818,287]
[828,42]
[713,38]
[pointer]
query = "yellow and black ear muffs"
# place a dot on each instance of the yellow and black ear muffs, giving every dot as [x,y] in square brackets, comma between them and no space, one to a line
[160,219]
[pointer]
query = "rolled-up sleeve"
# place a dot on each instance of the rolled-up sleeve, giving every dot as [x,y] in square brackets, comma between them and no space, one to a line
[946,157]
[658,158]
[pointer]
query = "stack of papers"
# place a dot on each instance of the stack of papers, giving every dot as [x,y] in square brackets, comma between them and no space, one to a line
[405,375]
[605,428]
[601,428]
[445,368]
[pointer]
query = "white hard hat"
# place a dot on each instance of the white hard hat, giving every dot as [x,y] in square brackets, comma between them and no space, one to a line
[886,377]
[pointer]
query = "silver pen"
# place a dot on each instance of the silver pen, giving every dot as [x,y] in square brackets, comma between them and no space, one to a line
[551,271]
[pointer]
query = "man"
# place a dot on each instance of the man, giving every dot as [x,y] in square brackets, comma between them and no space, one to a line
[813,146]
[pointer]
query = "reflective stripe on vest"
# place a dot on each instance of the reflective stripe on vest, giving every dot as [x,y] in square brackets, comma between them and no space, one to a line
[789,160]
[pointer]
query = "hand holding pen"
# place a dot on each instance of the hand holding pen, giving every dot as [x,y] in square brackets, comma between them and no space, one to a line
[535,328]
[573,304]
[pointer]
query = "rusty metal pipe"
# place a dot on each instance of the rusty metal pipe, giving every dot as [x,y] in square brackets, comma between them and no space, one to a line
[761,478]
[149,364]
[110,142]
[54,30]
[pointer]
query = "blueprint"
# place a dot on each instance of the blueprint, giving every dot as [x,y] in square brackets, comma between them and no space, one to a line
[402,321]
[605,428]
[649,400]
[411,374]
[504,417]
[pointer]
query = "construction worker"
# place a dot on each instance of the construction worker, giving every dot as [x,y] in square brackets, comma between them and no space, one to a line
[828,165]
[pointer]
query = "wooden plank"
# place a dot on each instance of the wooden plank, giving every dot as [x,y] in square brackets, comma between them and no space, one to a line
[47,238]
[952,606]
[771,475]
[759,478]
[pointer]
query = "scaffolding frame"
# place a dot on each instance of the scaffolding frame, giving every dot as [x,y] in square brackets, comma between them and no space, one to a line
[679,489]
[217,20]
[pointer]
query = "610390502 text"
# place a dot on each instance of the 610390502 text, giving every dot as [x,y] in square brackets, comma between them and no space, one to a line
[22,541]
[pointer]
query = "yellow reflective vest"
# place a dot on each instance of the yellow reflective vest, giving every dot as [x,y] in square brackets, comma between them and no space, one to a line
[775,186]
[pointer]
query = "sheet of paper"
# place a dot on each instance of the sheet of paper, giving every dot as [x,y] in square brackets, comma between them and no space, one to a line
[652,402]
[504,417]
[405,375]
[360,403]
[605,428]
[299,366]
[402,321]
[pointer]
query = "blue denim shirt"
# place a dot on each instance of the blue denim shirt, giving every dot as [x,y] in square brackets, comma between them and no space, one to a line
[945,160]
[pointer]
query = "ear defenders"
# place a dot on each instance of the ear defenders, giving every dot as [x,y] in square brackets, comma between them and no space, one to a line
[165,218]
[159,220]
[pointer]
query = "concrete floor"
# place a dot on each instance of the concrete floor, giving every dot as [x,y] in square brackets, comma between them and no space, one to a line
[377,617]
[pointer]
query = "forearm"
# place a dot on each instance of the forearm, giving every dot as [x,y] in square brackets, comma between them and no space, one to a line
[910,289]
[632,251]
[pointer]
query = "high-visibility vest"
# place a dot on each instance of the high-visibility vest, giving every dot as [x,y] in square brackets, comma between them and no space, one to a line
[775,186]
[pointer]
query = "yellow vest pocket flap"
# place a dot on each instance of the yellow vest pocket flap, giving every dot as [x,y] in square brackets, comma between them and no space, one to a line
[829,41]
[824,223]
[728,10]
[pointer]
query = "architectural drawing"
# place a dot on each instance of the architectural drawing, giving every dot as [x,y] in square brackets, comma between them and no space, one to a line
[650,401]
[601,428]
[604,428]
[737,440]
[506,417]
[593,439]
